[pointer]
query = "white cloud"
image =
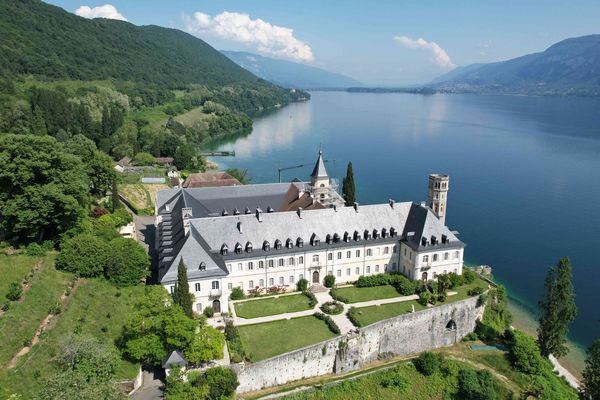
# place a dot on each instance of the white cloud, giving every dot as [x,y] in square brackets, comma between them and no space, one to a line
[106,11]
[273,40]
[440,57]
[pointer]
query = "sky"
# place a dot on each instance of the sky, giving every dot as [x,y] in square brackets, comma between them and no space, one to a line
[384,43]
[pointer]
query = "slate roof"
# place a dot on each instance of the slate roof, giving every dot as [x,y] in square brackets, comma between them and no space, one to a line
[174,358]
[319,170]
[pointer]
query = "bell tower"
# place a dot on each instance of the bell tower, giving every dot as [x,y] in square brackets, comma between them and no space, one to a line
[438,195]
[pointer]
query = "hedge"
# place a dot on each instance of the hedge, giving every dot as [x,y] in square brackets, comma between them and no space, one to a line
[330,323]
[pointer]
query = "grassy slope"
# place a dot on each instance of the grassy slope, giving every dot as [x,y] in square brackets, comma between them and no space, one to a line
[269,339]
[13,269]
[272,306]
[23,319]
[93,308]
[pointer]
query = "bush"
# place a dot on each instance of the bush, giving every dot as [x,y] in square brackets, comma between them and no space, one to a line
[477,385]
[524,353]
[330,322]
[456,280]
[332,307]
[5,306]
[392,379]
[237,293]
[351,314]
[55,309]
[329,281]
[121,217]
[373,280]
[209,312]
[142,158]
[84,255]
[476,291]
[469,277]
[424,298]
[428,363]
[302,285]
[35,250]
[221,382]
[404,286]
[15,291]
[312,299]
[127,264]
[338,297]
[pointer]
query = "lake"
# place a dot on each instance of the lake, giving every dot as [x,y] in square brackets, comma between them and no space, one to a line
[524,173]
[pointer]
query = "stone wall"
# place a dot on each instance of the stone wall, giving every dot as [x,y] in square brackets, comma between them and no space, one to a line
[406,334]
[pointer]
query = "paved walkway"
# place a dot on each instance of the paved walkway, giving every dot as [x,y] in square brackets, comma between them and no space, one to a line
[341,320]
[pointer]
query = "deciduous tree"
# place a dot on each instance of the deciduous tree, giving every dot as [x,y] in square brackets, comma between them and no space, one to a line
[84,255]
[127,262]
[591,372]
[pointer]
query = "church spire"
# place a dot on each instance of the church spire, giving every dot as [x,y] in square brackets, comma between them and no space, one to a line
[319,172]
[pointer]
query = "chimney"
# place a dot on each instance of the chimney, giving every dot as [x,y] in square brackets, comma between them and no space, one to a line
[392,202]
[239,226]
[356,206]
[334,208]
[423,204]
[259,215]
[299,212]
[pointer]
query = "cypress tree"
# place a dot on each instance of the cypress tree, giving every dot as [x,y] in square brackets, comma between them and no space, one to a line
[591,372]
[348,188]
[181,292]
[558,310]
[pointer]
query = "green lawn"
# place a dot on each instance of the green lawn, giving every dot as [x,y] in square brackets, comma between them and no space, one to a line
[192,116]
[372,314]
[13,269]
[96,308]
[272,306]
[22,320]
[269,339]
[358,295]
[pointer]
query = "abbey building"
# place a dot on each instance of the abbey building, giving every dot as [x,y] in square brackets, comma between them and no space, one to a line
[265,235]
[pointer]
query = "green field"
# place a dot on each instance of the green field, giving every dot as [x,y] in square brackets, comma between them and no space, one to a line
[269,339]
[95,308]
[358,295]
[13,269]
[272,306]
[192,116]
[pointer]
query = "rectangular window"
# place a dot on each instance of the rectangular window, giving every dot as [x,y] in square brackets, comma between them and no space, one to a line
[171,288]
[229,267]
[301,276]
[330,256]
[339,255]
[348,254]
[261,283]
[395,248]
[357,253]
[250,284]
[315,258]
[300,260]
[385,267]
[230,286]
[281,281]
[271,263]
[291,261]
[386,250]
[425,258]
[368,269]
[250,265]
[394,265]
[446,256]
[198,307]
[339,273]
[379,251]
[435,257]
[434,275]
[405,252]
[376,268]
[357,271]
[291,279]
[261,264]
[215,284]
[271,281]
[330,273]
[456,253]
[240,268]
[197,287]
[281,262]
[369,252]
[347,271]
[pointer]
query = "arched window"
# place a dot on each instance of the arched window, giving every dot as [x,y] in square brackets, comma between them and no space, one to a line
[346,237]
[299,242]
[356,236]
[451,325]
[336,238]
[315,258]
[289,243]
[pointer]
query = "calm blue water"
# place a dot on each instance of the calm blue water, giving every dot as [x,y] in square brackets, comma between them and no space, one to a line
[524,173]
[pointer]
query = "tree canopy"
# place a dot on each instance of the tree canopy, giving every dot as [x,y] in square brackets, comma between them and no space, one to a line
[348,187]
[591,372]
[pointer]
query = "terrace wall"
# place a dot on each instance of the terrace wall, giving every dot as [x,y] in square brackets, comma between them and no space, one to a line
[402,335]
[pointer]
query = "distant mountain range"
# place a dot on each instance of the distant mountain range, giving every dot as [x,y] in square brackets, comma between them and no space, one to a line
[569,67]
[290,74]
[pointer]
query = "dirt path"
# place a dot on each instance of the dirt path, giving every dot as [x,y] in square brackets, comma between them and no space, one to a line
[64,300]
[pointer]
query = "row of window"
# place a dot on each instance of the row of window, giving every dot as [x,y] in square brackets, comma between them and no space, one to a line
[441,256]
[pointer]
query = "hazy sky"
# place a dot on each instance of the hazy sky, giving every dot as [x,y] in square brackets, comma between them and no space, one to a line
[376,42]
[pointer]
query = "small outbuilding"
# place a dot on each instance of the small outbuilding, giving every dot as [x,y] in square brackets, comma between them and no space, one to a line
[174,359]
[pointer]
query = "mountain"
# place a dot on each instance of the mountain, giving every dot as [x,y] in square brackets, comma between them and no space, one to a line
[44,40]
[569,67]
[290,74]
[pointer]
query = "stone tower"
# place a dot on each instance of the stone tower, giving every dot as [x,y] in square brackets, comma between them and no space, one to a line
[319,180]
[438,195]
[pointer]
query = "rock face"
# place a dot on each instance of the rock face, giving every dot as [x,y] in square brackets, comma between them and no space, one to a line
[403,335]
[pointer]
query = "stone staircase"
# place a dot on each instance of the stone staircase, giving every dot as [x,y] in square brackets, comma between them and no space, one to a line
[317,288]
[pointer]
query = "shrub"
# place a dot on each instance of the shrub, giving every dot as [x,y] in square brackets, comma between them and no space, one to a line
[302,285]
[456,280]
[428,363]
[477,385]
[84,255]
[312,299]
[373,280]
[35,250]
[404,286]
[424,298]
[329,281]
[392,379]
[15,291]
[209,312]
[128,263]
[142,158]
[55,309]
[524,353]
[476,291]
[338,297]
[121,217]
[332,307]
[351,314]
[237,293]
[5,306]
[97,212]
[469,277]
[470,337]
[330,322]
[221,382]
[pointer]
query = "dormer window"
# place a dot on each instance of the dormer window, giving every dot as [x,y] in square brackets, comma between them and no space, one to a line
[248,211]
[266,245]
[393,231]
[375,234]
[300,242]
[336,238]
[202,266]
[289,243]
[224,213]
[346,237]
[277,244]
[356,236]
[224,250]
[236,211]
[367,234]
[315,241]
[270,209]
[238,248]
[328,239]
[248,247]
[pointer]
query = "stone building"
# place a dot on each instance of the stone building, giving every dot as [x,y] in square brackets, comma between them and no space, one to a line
[261,236]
